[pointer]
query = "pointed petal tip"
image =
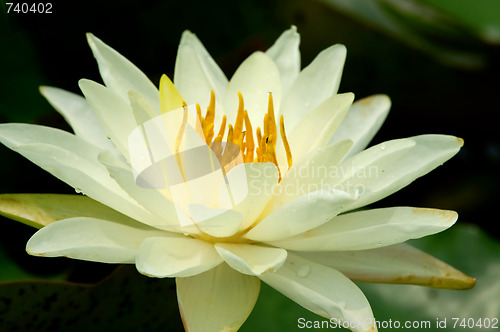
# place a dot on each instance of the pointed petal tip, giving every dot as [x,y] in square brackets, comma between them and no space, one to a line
[448,216]
[34,249]
[455,281]
[460,141]
[383,98]
[293,30]
[467,283]
[341,48]
[45,90]
[91,39]
[378,98]
[186,36]
[349,95]
[83,81]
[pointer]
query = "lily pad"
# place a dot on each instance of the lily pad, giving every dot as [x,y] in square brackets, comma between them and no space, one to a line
[125,301]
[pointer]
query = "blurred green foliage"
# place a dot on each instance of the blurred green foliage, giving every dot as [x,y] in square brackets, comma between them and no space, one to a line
[452,31]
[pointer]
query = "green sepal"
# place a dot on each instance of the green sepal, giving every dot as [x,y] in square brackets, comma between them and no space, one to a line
[39,210]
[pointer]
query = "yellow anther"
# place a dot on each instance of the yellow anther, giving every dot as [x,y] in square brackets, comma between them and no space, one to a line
[265,151]
[249,144]
[259,136]
[238,124]
[285,142]
[222,129]
[230,132]
[208,129]
[266,126]
[199,124]
[270,119]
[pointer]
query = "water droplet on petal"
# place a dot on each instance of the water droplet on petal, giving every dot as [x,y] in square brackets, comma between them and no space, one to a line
[382,147]
[304,271]
[78,190]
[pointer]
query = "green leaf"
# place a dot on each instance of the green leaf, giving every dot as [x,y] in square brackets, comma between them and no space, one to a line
[425,27]
[10,270]
[482,16]
[38,210]
[126,301]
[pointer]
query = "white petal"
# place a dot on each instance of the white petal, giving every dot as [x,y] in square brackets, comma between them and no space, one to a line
[315,83]
[215,222]
[151,199]
[285,53]
[251,188]
[371,229]
[91,239]
[255,78]
[300,215]
[72,160]
[175,257]
[220,299]
[251,259]
[196,73]
[113,113]
[385,168]
[396,264]
[363,121]
[317,127]
[77,112]
[323,291]
[309,174]
[120,74]
[141,108]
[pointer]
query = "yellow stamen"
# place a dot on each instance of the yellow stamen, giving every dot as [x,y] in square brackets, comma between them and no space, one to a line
[266,141]
[285,142]
[249,144]
[208,129]
[199,124]
[215,145]
[230,132]
[259,141]
[238,124]
[270,119]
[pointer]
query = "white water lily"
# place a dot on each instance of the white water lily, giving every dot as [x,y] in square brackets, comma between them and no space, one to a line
[280,213]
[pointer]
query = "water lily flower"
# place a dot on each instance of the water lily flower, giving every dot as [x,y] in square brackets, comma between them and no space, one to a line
[224,183]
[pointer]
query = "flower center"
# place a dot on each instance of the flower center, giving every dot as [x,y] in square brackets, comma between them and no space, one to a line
[241,135]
